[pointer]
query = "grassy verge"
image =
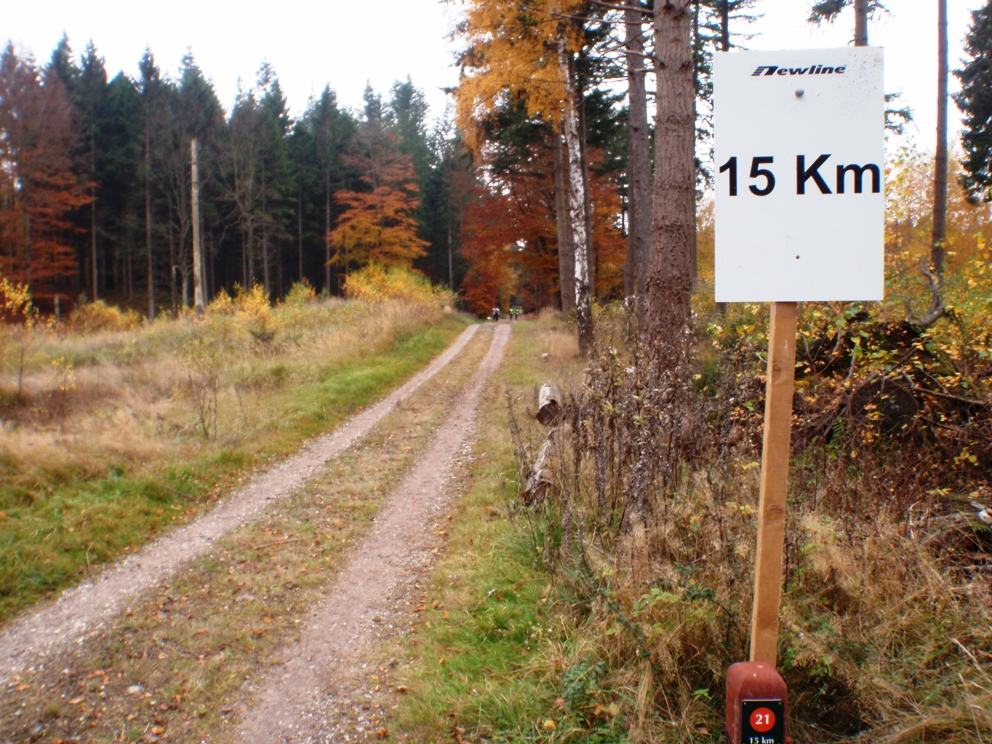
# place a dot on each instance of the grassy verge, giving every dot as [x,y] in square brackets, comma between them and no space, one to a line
[86,504]
[181,665]
[481,664]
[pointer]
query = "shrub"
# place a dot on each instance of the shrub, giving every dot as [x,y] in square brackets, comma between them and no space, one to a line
[254,307]
[376,283]
[301,293]
[99,316]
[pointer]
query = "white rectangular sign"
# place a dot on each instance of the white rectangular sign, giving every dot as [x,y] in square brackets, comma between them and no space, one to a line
[800,160]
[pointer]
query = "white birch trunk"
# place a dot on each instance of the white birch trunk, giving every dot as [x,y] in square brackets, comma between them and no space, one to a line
[576,192]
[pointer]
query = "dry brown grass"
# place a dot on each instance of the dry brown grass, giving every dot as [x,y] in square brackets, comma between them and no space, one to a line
[125,394]
[147,424]
[886,621]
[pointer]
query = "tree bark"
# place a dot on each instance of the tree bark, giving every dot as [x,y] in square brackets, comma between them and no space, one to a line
[327,231]
[172,263]
[860,22]
[266,277]
[576,198]
[451,257]
[148,226]
[198,285]
[566,251]
[591,256]
[673,225]
[725,25]
[639,164]
[299,229]
[939,235]
[96,273]
[251,257]
[93,257]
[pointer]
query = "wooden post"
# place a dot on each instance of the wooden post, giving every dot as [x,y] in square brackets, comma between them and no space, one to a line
[197,244]
[774,480]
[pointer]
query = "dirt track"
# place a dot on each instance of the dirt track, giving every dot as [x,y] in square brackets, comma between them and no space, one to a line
[300,700]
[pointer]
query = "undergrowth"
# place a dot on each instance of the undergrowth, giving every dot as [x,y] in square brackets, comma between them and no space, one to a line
[629,572]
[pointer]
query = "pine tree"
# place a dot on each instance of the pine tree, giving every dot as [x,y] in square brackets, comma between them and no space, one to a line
[329,130]
[151,92]
[975,101]
[277,188]
[120,185]
[90,91]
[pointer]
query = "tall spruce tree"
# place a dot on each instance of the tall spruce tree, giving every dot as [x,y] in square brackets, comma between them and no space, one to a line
[277,188]
[91,92]
[330,129]
[120,184]
[151,93]
[975,101]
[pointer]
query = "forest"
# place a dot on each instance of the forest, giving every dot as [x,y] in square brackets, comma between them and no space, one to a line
[95,201]
[96,192]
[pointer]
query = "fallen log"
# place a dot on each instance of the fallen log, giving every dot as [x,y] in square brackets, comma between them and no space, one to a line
[540,478]
[548,404]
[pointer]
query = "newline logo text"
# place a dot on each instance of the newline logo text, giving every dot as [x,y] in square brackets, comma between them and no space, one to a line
[813,70]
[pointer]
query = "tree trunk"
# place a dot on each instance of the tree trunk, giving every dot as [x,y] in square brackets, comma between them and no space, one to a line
[251,258]
[940,160]
[27,243]
[299,229]
[673,224]
[327,232]
[198,284]
[96,273]
[639,163]
[172,262]
[860,22]
[566,250]
[266,275]
[148,228]
[576,198]
[725,25]
[587,199]
[451,258]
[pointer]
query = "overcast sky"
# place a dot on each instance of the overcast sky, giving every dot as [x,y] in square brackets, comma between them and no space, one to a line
[346,43]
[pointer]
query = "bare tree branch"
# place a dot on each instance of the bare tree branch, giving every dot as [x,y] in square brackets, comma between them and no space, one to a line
[937,309]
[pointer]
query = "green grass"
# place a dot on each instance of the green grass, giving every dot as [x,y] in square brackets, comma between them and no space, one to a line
[57,524]
[482,665]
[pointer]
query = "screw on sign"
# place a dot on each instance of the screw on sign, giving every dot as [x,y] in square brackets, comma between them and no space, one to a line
[762,722]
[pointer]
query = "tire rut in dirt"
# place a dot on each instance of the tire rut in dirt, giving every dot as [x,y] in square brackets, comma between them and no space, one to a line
[298,700]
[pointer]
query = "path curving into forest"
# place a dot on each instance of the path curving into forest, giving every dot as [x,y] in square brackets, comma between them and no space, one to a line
[84,609]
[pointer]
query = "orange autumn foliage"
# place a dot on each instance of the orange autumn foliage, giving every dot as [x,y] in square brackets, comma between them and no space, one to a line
[37,186]
[509,237]
[609,243]
[378,225]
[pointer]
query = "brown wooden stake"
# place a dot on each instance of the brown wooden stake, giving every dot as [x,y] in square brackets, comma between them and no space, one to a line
[774,480]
